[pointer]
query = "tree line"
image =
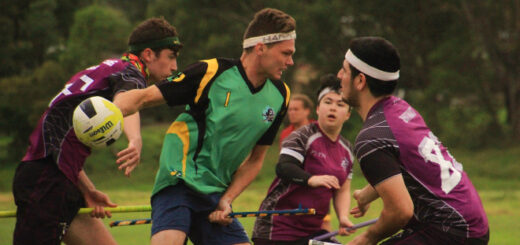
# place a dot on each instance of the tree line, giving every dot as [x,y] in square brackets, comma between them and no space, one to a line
[460,59]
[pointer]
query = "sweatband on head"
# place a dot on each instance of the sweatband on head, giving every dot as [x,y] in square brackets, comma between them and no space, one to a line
[325,91]
[269,38]
[161,43]
[370,70]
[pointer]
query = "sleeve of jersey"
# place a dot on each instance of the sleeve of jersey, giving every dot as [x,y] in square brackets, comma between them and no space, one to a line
[292,155]
[128,79]
[181,89]
[349,170]
[270,134]
[289,169]
[379,166]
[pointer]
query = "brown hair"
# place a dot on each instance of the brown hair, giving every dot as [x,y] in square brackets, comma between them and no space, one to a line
[307,102]
[267,21]
[151,30]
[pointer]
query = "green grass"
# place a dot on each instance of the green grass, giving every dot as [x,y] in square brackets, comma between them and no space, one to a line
[494,173]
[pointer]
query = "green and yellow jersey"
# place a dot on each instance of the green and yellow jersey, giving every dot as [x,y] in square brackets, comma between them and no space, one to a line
[225,118]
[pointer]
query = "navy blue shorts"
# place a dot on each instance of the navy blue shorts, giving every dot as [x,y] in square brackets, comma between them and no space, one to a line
[180,208]
[46,201]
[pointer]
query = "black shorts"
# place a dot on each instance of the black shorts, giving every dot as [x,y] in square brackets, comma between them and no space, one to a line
[46,202]
[425,234]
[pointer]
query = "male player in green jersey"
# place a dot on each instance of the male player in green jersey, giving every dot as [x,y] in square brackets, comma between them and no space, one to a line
[215,149]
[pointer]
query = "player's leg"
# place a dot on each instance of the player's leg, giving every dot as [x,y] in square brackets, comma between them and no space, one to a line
[88,231]
[170,237]
[204,232]
[47,203]
[171,216]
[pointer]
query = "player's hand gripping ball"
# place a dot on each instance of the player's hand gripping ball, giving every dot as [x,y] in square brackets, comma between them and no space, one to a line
[97,122]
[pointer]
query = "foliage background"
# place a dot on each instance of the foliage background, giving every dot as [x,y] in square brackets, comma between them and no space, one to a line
[460,58]
[460,68]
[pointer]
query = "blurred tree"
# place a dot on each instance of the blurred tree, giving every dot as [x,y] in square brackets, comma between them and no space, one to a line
[459,58]
[98,32]
[16,46]
[40,26]
[32,32]
[495,31]
[134,10]
[441,69]
[23,101]
[207,28]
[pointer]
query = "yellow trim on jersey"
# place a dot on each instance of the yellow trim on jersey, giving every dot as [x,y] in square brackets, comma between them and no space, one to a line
[228,94]
[179,78]
[181,130]
[288,95]
[210,73]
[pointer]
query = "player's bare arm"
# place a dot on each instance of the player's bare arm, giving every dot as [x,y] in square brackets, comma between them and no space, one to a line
[342,206]
[397,211]
[244,175]
[327,181]
[94,198]
[363,197]
[129,158]
[131,101]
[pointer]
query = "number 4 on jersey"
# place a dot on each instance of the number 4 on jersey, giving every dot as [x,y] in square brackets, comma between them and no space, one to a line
[431,152]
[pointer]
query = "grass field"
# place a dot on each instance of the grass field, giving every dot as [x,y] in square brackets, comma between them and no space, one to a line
[493,171]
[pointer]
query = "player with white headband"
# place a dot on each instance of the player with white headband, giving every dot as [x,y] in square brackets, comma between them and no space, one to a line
[313,169]
[424,190]
[235,107]
[269,38]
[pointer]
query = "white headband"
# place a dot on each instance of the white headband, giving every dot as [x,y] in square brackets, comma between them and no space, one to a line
[326,91]
[370,70]
[269,38]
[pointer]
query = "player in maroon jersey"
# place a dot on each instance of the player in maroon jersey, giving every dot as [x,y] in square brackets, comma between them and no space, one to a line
[315,167]
[424,190]
[50,185]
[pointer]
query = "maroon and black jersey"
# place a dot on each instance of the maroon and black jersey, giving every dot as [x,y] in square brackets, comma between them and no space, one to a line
[316,154]
[54,136]
[396,140]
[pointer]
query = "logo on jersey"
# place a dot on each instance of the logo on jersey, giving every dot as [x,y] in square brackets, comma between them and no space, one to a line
[268,114]
[176,173]
[318,154]
[345,163]
[176,77]
[408,115]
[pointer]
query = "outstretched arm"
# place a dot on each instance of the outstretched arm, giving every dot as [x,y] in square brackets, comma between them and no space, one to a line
[129,102]
[363,197]
[244,175]
[397,211]
[342,206]
[94,198]
[290,169]
[130,157]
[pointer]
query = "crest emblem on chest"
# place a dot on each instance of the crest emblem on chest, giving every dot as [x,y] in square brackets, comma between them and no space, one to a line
[268,114]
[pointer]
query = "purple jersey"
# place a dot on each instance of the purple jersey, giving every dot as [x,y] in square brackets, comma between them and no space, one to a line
[54,136]
[441,191]
[318,155]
